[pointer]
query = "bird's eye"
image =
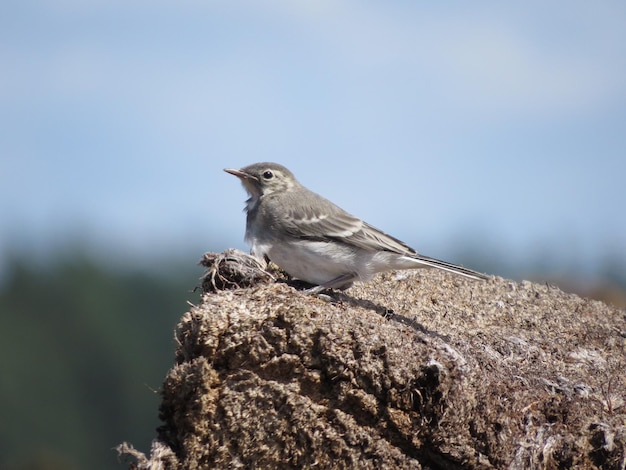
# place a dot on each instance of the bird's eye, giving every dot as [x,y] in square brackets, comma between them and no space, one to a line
[268,175]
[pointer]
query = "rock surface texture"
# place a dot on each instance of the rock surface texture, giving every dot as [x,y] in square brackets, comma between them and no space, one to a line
[415,369]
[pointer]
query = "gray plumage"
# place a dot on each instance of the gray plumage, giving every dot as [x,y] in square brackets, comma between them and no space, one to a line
[316,241]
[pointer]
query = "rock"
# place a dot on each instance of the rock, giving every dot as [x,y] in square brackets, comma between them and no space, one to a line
[415,369]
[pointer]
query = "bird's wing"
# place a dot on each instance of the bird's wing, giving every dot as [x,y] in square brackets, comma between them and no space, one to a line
[311,216]
[320,219]
[374,239]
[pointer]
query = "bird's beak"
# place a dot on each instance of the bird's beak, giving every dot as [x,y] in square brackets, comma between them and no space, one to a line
[239,174]
[249,182]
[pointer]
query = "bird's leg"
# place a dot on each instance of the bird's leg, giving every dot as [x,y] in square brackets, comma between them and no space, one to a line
[342,282]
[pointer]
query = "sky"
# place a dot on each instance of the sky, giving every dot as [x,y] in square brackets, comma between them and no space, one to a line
[495,127]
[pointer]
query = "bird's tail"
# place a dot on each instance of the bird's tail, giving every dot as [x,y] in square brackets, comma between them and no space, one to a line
[452,268]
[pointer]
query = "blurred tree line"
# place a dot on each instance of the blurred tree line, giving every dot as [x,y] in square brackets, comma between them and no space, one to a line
[84,348]
[83,352]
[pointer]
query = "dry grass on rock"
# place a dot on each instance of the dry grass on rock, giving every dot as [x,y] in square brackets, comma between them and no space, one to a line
[413,369]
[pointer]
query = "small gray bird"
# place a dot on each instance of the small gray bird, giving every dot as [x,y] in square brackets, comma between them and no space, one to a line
[316,241]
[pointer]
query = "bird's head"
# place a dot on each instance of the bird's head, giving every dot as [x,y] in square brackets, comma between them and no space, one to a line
[261,179]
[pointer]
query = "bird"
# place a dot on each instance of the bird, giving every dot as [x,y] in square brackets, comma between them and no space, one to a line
[316,241]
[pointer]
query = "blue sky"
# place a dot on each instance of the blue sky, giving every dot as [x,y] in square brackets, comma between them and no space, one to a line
[498,126]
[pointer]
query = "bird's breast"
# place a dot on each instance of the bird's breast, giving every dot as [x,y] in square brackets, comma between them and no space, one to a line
[315,262]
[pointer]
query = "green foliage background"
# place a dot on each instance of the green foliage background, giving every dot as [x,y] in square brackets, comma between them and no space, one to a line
[83,352]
